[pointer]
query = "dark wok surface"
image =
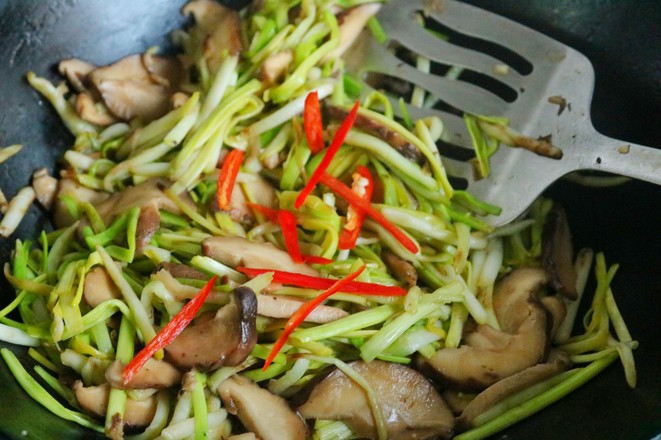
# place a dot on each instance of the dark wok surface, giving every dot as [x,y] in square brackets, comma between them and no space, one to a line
[621,39]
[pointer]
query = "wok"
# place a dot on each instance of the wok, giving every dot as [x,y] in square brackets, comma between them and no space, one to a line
[620,38]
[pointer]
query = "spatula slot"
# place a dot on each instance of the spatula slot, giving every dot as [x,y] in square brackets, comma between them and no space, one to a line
[502,53]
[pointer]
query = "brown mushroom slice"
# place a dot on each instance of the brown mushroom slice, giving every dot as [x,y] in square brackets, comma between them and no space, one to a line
[275,306]
[45,187]
[132,68]
[558,253]
[220,28]
[99,287]
[557,312]
[91,111]
[149,196]
[94,400]
[490,355]
[129,99]
[265,414]
[238,251]
[181,271]
[401,269]
[130,89]
[76,72]
[391,137]
[70,188]
[227,339]
[411,406]
[154,374]
[557,363]
[351,22]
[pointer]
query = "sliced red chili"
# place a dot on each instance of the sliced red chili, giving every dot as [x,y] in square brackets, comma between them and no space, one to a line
[302,312]
[168,333]
[314,259]
[332,150]
[269,213]
[355,214]
[312,282]
[287,223]
[312,124]
[227,178]
[344,191]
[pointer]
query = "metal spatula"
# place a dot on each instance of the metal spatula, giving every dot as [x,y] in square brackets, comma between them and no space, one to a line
[543,87]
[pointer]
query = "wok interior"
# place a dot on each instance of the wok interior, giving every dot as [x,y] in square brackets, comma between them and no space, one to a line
[621,221]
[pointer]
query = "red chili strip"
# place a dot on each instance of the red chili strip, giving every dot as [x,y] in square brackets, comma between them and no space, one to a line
[227,177]
[302,312]
[312,124]
[344,191]
[355,214]
[168,333]
[313,259]
[312,282]
[332,150]
[287,223]
[269,213]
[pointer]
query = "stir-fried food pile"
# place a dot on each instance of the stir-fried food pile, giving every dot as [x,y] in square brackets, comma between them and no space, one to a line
[249,244]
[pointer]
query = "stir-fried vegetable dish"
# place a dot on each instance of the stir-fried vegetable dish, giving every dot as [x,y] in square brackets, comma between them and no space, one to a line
[248,242]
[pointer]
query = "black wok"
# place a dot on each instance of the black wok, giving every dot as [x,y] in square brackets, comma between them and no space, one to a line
[620,37]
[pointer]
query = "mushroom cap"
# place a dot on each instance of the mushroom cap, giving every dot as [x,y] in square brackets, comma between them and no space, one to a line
[489,355]
[226,339]
[411,406]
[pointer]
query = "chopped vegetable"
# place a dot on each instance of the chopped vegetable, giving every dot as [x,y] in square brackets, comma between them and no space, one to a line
[314,130]
[299,316]
[363,186]
[287,223]
[302,280]
[344,191]
[332,150]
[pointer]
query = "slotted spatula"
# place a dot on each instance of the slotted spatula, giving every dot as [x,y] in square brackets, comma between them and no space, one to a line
[542,87]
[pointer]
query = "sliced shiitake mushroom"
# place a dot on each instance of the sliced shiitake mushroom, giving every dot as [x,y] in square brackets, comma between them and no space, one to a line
[99,287]
[265,414]
[411,406]
[137,86]
[401,269]
[70,188]
[558,253]
[94,400]
[220,29]
[238,251]
[276,306]
[150,198]
[153,374]
[558,361]
[227,338]
[489,355]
